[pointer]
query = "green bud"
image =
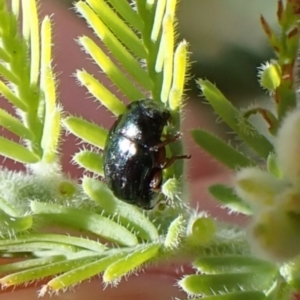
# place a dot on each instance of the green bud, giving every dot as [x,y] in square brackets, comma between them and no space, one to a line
[270,76]
[201,230]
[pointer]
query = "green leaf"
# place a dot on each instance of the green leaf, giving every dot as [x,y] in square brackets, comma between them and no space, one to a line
[60,248]
[227,197]
[11,97]
[129,14]
[223,152]
[50,139]
[90,161]
[52,115]
[12,224]
[79,242]
[89,132]
[230,115]
[118,27]
[158,19]
[31,18]
[129,63]
[98,90]
[129,215]
[84,271]
[4,55]
[14,125]
[165,57]
[234,263]
[9,209]
[208,285]
[25,72]
[179,76]
[91,222]
[30,263]
[251,295]
[44,271]
[17,152]
[125,265]
[111,70]
[9,75]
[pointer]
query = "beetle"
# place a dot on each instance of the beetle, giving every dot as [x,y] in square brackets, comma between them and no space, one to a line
[135,156]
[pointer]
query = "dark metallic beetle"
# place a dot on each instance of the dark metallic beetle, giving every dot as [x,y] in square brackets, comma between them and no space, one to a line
[135,155]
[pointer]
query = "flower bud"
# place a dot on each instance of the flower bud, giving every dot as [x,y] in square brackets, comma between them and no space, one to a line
[275,232]
[288,147]
[201,229]
[257,187]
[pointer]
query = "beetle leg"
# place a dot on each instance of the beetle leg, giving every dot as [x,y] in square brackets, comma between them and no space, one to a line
[169,139]
[160,157]
[167,136]
[156,181]
[170,161]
